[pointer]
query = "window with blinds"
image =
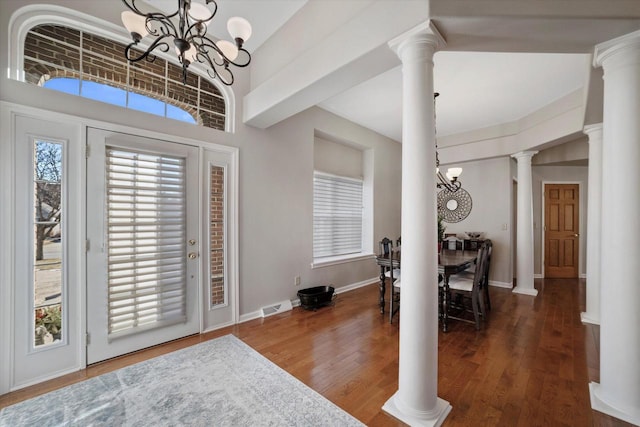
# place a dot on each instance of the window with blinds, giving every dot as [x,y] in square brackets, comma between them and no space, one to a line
[337,215]
[146,217]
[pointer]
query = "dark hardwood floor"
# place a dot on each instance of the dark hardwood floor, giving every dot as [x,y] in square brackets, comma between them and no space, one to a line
[530,364]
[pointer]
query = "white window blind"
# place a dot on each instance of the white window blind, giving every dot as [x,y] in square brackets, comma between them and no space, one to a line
[337,215]
[146,216]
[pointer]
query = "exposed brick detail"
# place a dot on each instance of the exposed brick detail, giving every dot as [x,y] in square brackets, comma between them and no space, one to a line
[53,51]
[175,73]
[207,86]
[216,225]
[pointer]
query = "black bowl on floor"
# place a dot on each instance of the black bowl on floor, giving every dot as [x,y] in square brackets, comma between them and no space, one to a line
[318,296]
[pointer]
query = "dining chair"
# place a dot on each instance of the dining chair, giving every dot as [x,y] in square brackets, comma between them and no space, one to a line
[454,243]
[470,272]
[394,300]
[392,275]
[463,288]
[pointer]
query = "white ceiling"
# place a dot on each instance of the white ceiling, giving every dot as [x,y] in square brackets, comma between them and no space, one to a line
[477,89]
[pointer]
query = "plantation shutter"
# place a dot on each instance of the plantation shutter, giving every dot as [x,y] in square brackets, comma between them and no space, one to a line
[337,215]
[146,259]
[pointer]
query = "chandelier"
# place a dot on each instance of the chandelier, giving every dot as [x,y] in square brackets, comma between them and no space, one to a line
[449,181]
[187,29]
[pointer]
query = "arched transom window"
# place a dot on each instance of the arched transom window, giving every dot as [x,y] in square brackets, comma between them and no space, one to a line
[91,66]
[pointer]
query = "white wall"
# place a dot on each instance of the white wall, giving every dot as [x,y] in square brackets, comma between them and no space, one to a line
[488,182]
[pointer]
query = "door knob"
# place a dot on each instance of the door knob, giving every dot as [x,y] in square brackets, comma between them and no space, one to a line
[192,255]
[576,235]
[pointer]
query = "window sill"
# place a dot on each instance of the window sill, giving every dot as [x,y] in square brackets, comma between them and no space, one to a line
[342,259]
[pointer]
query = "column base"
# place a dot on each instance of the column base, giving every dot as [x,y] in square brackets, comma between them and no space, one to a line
[602,406]
[525,291]
[587,318]
[436,419]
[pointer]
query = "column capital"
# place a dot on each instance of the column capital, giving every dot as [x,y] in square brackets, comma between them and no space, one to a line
[425,34]
[608,49]
[524,155]
[593,130]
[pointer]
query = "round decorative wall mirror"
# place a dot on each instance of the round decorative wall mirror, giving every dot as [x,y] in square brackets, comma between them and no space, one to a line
[454,206]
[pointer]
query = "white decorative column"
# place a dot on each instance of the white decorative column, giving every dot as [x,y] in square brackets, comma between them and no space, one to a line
[524,232]
[594,223]
[416,402]
[618,393]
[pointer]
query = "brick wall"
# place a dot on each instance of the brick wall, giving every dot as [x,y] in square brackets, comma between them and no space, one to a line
[54,51]
[216,225]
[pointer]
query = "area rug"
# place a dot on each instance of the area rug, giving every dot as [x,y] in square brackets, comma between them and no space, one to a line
[222,382]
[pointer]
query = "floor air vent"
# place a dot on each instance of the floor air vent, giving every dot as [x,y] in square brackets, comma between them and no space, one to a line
[276,308]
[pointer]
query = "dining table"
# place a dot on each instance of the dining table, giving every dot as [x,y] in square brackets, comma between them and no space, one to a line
[449,262]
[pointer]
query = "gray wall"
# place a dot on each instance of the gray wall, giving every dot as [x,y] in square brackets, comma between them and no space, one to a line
[488,182]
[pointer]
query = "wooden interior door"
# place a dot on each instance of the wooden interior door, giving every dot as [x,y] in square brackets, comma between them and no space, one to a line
[561,233]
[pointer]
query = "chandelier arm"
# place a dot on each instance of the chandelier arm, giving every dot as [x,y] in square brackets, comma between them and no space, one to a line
[131,4]
[212,70]
[222,79]
[452,186]
[157,44]
[190,33]
[165,26]
[203,44]
[242,64]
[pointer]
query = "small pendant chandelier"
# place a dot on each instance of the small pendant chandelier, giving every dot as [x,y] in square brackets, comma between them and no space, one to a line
[187,29]
[450,183]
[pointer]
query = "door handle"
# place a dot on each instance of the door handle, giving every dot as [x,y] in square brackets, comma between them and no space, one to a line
[576,235]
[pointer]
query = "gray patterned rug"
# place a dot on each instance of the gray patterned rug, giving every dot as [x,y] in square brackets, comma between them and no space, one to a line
[222,382]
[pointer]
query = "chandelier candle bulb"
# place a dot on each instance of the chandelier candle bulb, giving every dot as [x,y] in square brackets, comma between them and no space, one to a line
[454,173]
[135,24]
[239,28]
[200,12]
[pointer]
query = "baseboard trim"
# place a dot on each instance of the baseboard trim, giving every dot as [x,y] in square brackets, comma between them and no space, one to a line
[538,276]
[582,276]
[587,318]
[506,285]
[296,302]
[519,290]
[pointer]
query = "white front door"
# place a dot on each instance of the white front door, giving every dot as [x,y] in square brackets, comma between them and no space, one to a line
[143,262]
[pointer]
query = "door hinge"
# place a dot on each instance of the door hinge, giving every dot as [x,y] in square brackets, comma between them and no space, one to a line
[87,339]
[87,245]
[87,151]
